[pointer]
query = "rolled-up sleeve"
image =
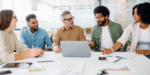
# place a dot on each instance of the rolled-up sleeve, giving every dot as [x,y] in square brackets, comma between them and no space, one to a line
[56,39]
[125,36]
[93,39]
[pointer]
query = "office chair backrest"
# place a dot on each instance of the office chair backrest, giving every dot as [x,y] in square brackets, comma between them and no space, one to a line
[51,38]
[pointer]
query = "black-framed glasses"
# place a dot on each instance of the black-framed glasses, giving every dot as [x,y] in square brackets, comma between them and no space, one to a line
[70,19]
[96,18]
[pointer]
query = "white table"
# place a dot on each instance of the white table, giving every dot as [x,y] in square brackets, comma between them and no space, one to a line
[140,64]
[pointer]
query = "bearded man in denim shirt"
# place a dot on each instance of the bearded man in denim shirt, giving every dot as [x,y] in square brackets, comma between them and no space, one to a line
[33,36]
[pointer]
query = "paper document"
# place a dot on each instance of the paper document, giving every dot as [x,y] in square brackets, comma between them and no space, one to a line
[115,67]
[48,54]
[123,55]
[57,72]
[76,67]
[126,55]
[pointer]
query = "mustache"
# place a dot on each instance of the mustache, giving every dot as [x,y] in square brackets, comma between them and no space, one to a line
[99,21]
[71,23]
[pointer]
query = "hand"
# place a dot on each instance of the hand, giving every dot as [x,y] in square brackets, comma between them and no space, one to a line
[106,51]
[91,44]
[41,52]
[56,49]
[143,52]
[36,52]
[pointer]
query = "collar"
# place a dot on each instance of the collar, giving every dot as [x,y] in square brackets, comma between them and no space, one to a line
[110,22]
[28,29]
[63,29]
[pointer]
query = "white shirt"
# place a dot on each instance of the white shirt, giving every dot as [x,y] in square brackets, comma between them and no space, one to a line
[144,39]
[106,40]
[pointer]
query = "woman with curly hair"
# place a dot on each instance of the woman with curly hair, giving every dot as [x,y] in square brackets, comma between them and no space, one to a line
[140,31]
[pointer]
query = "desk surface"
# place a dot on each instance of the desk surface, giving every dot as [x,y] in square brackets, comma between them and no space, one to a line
[140,64]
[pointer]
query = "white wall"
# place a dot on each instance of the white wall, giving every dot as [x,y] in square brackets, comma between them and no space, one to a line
[48,14]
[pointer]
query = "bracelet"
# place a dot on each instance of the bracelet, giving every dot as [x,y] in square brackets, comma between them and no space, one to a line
[111,50]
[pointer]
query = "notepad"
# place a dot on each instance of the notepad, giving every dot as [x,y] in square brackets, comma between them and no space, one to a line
[123,55]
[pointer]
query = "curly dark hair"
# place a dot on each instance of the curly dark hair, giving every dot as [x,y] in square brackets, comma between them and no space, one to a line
[143,9]
[102,9]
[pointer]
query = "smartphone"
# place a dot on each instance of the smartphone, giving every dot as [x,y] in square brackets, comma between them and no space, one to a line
[5,72]
[102,58]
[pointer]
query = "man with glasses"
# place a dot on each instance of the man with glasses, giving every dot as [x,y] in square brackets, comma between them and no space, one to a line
[69,31]
[106,32]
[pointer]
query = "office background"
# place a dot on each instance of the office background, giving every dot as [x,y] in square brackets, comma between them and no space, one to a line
[48,11]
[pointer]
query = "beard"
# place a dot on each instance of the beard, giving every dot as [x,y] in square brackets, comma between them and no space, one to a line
[33,29]
[71,24]
[102,24]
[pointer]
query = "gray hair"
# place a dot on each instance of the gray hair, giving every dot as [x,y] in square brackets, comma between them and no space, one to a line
[63,14]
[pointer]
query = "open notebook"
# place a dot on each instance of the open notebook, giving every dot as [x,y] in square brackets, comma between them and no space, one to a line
[123,55]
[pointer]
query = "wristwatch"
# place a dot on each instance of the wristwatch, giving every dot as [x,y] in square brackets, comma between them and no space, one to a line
[48,49]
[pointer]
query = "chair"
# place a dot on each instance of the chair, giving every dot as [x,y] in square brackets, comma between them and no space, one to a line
[88,30]
[51,38]
[24,27]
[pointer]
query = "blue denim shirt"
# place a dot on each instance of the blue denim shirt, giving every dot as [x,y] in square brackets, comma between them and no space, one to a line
[38,39]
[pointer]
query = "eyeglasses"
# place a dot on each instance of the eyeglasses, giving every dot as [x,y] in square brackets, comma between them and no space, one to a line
[36,69]
[15,17]
[96,18]
[70,19]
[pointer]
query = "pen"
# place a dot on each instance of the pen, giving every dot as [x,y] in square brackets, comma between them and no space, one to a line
[45,61]
[117,60]
[36,57]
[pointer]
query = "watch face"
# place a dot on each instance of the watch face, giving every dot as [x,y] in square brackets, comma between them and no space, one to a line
[48,49]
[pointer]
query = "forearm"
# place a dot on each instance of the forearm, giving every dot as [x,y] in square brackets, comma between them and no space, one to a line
[22,55]
[116,46]
[149,52]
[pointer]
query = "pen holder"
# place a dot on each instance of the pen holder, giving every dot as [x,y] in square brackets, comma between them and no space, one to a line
[36,69]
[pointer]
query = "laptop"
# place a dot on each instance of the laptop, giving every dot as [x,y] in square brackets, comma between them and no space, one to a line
[75,48]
